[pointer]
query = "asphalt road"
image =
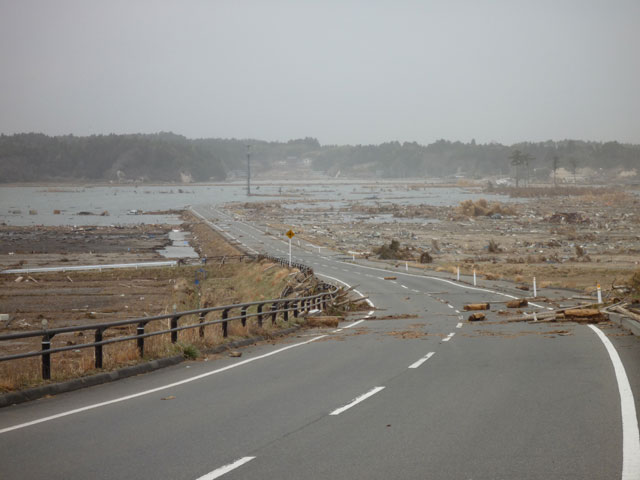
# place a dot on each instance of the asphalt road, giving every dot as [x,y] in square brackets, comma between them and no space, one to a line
[420,394]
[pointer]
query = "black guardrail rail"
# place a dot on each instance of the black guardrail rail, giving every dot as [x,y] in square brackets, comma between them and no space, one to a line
[297,305]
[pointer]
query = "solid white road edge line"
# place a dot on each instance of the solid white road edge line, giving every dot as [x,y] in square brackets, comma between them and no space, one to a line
[218,472]
[630,435]
[369,302]
[157,389]
[451,282]
[357,400]
[422,360]
[354,323]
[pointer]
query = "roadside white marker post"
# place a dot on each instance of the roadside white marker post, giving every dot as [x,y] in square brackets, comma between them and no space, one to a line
[599,294]
[458,274]
[535,289]
[406,266]
[353,257]
[535,317]
[474,278]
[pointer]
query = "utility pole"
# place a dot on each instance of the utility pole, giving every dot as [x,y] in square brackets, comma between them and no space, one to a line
[248,169]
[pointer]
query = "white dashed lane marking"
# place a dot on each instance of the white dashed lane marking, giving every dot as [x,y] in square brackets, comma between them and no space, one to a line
[422,360]
[357,400]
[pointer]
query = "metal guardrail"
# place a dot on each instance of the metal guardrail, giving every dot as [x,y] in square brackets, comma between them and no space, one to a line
[296,305]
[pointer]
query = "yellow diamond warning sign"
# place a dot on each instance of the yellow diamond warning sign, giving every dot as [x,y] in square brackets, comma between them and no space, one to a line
[290,234]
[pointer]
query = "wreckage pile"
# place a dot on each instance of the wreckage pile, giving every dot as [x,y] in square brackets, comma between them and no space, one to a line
[576,238]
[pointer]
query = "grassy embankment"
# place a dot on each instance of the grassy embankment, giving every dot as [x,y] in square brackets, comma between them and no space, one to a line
[84,298]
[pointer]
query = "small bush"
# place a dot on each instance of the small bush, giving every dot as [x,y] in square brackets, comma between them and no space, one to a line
[425,257]
[189,351]
[493,247]
[387,252]
[634,283]
[481,208]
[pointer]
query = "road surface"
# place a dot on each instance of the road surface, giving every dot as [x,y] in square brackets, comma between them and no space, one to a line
[408,389]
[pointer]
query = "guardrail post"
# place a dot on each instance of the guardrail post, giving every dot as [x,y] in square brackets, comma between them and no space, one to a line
[46,357]
[260,315]
[140,331]
[286,311]
[225,324]
[274,307]
[295,308]
[98,348]
[201,329]
[174,333]
[243,313]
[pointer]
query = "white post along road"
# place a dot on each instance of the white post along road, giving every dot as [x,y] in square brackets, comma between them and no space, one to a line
[405,389]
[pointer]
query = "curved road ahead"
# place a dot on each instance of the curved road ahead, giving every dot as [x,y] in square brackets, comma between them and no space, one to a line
[407,390]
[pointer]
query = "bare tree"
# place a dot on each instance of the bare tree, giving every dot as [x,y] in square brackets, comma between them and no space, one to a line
[555,164]
[517,160]
[573,163]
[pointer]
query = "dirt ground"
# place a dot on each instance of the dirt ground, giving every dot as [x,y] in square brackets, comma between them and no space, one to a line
[73,297]
[51,300]
[564,239]
[23,247]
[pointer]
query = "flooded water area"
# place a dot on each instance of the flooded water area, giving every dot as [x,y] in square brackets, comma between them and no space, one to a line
[150,204]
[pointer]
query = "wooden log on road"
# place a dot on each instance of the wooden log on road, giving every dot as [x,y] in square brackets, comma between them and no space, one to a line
[518,303]
[477,306]
[587,315]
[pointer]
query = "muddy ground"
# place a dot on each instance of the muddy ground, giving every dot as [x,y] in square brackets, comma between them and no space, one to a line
[24,247]
[563,239]
[73,297]
[57,299]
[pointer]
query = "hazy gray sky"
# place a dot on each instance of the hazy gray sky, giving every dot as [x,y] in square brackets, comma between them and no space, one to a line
[342,71]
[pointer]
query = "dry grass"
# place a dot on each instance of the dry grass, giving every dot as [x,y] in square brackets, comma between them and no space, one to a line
[555,191]
[222,284]
[481,208]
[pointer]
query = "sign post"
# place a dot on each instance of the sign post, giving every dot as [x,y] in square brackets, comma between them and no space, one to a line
[290,234]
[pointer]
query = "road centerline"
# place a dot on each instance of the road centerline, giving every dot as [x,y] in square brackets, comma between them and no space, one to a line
[357,400]
[422,360]
[218,472]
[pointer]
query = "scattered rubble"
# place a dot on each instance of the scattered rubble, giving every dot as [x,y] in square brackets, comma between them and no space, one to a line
[536,238]
[323,321]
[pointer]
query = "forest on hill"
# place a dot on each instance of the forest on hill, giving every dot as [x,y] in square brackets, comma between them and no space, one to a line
[167,157]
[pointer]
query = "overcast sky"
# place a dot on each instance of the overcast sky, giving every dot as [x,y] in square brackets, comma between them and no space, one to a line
[356,72]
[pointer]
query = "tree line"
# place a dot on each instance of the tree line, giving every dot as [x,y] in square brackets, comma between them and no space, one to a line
[168,157]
